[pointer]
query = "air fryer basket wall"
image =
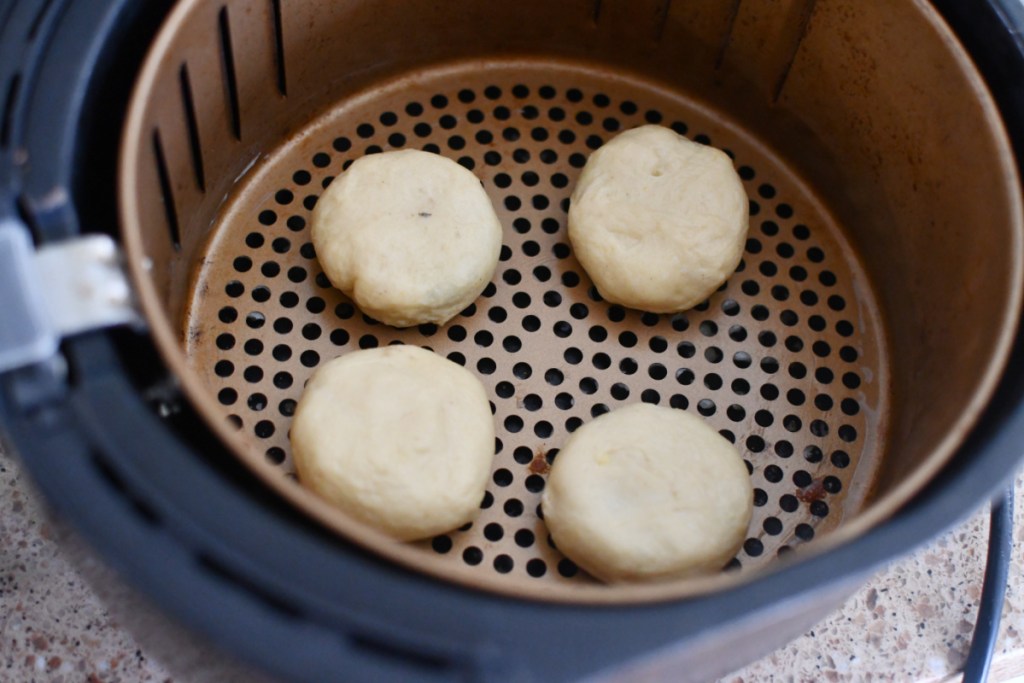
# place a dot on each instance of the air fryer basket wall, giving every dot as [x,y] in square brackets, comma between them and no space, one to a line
[895,203]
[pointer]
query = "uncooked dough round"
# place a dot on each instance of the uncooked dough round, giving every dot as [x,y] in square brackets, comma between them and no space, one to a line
[397,437]
[410,236]
[646,492]
[657,221]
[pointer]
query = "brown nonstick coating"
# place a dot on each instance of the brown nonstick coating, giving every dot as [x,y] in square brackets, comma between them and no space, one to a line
[845,358]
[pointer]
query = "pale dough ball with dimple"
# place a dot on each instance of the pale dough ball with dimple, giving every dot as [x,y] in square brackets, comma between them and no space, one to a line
[646,492]
[397,437]
[657,221]
[410,236]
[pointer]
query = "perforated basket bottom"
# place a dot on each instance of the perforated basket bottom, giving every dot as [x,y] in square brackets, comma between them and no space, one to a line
[786,359]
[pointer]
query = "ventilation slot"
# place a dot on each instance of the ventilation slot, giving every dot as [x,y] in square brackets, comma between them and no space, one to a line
[391,652]
[282,78]
[13,87]
[804,20]
[38,21]
[193,128]
[230,79]
[661,18]
[144,511]
[266,597]
[166,192]
[734,12]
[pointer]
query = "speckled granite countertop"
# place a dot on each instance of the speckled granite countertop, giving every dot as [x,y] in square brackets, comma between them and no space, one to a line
[912,622]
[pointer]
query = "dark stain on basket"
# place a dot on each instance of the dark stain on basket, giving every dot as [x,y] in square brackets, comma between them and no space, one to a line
[539,464]
[815,491]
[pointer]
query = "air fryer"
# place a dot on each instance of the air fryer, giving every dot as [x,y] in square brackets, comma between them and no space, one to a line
[164,305]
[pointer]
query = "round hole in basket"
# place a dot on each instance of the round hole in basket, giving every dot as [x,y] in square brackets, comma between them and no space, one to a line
[846,358]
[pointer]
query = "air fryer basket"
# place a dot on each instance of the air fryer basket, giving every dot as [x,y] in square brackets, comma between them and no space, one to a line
[847,358]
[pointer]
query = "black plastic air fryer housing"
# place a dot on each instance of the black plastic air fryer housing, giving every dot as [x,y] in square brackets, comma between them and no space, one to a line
[173,512]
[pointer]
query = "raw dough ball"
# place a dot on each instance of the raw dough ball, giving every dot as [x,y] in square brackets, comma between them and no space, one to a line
[646,492]
[410,236]
[398,437]
[658,222]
